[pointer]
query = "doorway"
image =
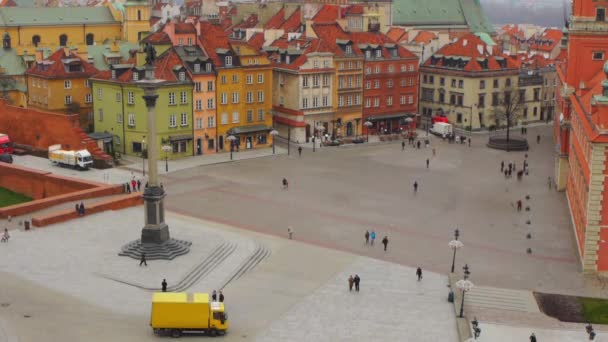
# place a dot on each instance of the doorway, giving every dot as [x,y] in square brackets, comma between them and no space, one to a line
[349,129]
[249,143]
[199,146]
[220,143]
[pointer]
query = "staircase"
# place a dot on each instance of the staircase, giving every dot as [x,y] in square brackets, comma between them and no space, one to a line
[101,159]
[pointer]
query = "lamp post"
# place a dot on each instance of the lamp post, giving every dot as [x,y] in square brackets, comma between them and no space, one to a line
[409,124]
[231,138]
[590,331]
[274,133]
[367,124]
[320,130]
[143,156]
[455,245]
[465,285]
[166,149]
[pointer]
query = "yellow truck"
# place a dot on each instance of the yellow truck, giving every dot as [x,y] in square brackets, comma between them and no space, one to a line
[175,313]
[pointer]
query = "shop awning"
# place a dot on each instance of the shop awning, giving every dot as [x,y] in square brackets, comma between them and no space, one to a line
[180,137]
[105,137]
[249,129]
[391,116]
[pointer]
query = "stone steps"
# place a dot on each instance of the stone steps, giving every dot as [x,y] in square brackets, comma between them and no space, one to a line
[166,251]
[502,299]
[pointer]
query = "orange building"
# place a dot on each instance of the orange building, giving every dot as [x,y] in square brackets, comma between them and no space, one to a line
[581,133]
[60,83]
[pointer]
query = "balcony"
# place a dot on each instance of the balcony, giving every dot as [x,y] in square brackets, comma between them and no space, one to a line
[588,26]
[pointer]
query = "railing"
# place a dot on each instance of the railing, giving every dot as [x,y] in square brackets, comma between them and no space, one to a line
[600,26]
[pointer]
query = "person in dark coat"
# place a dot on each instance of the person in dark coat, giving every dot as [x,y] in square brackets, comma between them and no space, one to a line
[351,281]
[519,204]
[502,166]
[357,280]
[221,297]
[415,187]
[419,273]
[538,139]
[138,185]
[142,260]
[418,144]
[385,242]
[81,209]
[403,146]
[128,188]
[285,184]
[532,338]
[427,162]
[300,151]
[77,209]
[164,285]
[367,237]
[214,296]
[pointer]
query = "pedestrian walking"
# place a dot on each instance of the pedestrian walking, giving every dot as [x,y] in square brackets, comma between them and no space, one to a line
[290,233]
[138,185]
[357,280]
[134,185]
[502,166]
[434,152]
[549,182]
[403,146]
[81,208]
[532,338]
[385,242]
[128,188]
[77,209]
[299,151]
[285,184]
[418,144]
[5,236]
[518,205]
[351,281]
[373,237]
[214,296]
[221,296]
[427,163]
[509,173]
[538,139]
[367,237]
[469,141]
[415,187]
[142,260]
[510,166]
[506,173]
[164,285]
[419,273]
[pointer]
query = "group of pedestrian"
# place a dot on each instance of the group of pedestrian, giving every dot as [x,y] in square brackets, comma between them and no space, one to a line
[134,185]
[371,237]
[511,167]
[5,236]
[79,209]
[356,280]
[217,296]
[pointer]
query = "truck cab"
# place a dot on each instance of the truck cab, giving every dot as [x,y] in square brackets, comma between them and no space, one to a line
[84,159]
[219,319]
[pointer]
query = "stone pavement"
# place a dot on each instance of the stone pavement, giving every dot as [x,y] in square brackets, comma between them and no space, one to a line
[493,332]
[391,306]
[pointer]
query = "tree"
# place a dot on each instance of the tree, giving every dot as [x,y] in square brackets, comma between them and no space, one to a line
[510,104]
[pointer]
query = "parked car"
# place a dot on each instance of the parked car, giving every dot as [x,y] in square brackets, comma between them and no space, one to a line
[6,158]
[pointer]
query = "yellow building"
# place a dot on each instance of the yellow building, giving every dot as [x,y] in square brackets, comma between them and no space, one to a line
[60,83]
[135,20]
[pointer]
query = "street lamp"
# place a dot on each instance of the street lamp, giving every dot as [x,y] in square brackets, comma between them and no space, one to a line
[320,130]
[455,244]
[465,285]
[274,133]
[231,138]
[166,149]
[367,124]
[143,156]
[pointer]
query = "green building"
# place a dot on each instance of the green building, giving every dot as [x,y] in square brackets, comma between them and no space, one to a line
[120,110]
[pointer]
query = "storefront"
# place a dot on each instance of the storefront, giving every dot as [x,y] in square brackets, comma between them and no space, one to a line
[392,123]
[249,137]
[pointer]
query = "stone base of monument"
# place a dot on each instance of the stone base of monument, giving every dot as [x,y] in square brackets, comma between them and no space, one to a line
[167,250]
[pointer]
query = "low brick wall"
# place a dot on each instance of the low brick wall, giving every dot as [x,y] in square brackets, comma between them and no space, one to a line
[118,203]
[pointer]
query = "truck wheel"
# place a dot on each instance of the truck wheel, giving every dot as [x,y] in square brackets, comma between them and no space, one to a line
[176,333]
[213,332]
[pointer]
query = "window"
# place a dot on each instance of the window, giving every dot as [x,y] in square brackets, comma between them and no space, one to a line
[315,80]
[425,79]
[378,53]
[349,49]
[88,98]
[172,121]
[224,98]
[199,123]
[481,100]
[118,118]
[441,97]
[249,97]
[68,100]
[411,67]
[412,81]
[341,101]
[349,82]
[377,69]
[210,104]
[403,68]
[184,119]
[262,140]
[260,115]
[358,99]
[281,100]
[113,74]
[228,60]
[235,97]
[453,83]
[377,102]
[389,101]
[199,105]
[525,115]
[305,103]
[368,84]
[391,68]
[325,101]
[189,41]
[508,82]
[349,100]
[211,121]
[600,14]
[131,122]
[197,67]
[535,111]
[495,85]
[305,81]
[341,66]
[482,84]
[260,78]
[224,79]
[359,64]
[598,55]
[402,99]
[441,81]
[377,84]
[171,98]
[181,75]
[100,114]
[235,78]
[224,118]
[428,94]
[118,97]
[358,81]
[536,94]
[368,102]
[87,84]
[368,70]
[197,87]
[494,99]
[249,79]
[210,144]
[235,117]
[410,99]
[350,65]
[315,64]
[99,93]
[130,98]
[340,82]
[249,115]
[326,80]
[460,84]
[390,83]
[261,96]
[136,76]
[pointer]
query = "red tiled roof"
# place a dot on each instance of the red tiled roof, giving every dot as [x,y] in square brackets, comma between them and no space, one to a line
[293,23]
[159,37]
[256,40]
[536,61]
[276,20]
[424,37]
[472,47]
[397,34]
[546,41]
[184,28]
[513,30]
[164,69]
[213,38]
[250,22]
[308,45]
[327,14]
[355,10]
[153,20]
[56,66]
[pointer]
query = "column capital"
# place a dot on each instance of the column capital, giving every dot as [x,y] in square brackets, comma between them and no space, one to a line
[150,100]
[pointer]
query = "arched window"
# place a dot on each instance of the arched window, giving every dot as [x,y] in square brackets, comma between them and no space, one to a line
[36,40]
[63,40]
[6,41]
[90,39]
